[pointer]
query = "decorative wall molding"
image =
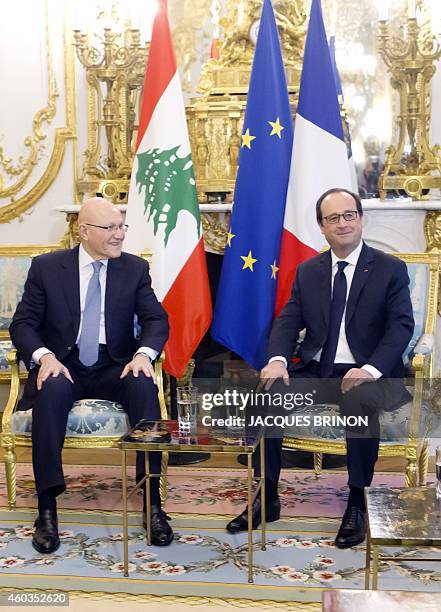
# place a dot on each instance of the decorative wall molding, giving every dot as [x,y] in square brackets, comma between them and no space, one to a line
[25,167]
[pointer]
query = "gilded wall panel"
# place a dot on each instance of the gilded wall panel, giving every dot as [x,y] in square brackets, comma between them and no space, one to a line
[34,126]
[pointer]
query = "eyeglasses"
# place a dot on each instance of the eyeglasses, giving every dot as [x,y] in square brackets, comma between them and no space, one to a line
[348,215]
[111,229]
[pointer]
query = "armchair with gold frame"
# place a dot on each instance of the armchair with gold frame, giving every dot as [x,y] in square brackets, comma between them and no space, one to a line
[92,423]
[404,431]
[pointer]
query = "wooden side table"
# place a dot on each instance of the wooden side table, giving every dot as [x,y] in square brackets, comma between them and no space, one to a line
[404,517]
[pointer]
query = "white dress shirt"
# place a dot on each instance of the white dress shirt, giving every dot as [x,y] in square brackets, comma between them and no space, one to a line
[85,262]
[343,353]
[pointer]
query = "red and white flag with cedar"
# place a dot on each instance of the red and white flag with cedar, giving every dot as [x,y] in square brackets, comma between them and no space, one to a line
[163,211]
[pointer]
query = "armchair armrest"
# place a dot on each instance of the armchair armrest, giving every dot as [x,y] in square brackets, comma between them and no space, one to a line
[159,377]
[424,346]
[422,350]
[14,361]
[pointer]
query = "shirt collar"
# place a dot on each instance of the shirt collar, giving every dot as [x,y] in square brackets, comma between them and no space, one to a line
[84,259]
[351,259]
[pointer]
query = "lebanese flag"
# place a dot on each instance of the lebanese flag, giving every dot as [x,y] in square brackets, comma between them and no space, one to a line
[319,158]
[163,210]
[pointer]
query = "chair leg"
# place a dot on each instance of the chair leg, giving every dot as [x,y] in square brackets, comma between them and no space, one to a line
[318,460]
[423,464]
[11,475]
[163,479]
[411,472]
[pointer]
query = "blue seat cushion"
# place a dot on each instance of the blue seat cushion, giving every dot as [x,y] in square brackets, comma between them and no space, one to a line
[88,417]
[394,425]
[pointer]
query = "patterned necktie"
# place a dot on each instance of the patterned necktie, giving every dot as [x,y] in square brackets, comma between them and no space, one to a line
[90,329]
[337,308]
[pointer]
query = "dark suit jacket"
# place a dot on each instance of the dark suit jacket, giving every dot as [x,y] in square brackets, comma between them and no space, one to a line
[49,311]
[379,319]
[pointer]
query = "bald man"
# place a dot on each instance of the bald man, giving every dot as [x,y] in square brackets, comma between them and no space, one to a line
[74,329]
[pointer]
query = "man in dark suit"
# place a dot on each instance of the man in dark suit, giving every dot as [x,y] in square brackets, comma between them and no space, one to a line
[354,304]
[74,329]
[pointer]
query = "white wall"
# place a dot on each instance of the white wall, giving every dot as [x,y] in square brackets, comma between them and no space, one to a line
[24,78]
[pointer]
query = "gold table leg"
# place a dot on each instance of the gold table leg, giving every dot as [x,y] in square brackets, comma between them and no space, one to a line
[368,562]
[262,494]
[125,519]
[375,568]
[148,501]
[250,518]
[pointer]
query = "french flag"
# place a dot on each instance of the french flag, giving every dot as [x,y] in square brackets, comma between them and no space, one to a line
[319,156]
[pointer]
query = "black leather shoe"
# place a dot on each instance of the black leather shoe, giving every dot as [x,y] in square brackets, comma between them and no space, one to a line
[45,539]
[352,529]
[162,533]
[240,523]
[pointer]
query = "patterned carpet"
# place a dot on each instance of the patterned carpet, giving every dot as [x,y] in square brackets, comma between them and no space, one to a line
[201,490]
[203,560]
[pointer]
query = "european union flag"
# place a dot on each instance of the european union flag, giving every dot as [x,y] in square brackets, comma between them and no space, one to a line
[246,294]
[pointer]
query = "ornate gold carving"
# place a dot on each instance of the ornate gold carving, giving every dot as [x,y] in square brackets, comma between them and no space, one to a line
[214,127]
[70,96]
[432,233]
[215,121]
[432,230]
[215,228]
[118,64]
[411,64]
[188,18]
[18,207]
[24,167]
[71,237]
[231,72]
[69,78]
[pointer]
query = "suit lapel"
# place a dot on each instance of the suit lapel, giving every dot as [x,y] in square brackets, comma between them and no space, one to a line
[114,285]
[362,272]
[70,282]
[325,285]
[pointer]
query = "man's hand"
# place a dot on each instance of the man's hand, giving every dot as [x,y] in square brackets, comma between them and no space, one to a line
[50,366]
[273,370]
[355,377]
[140,363]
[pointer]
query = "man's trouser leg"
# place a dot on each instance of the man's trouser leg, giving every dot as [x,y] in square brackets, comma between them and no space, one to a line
[139,398]
[362,442]
[49,419]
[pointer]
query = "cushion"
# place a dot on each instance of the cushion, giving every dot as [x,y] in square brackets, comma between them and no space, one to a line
[394,425]
[88,417]
[419,292]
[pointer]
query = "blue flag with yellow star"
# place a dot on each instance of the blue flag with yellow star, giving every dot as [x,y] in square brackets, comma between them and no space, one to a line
[246,293]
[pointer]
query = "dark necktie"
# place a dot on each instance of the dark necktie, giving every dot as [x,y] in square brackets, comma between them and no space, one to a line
[337,308]
[90,328]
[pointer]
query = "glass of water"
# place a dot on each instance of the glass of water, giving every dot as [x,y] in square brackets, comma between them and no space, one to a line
[438,471]
[187,402]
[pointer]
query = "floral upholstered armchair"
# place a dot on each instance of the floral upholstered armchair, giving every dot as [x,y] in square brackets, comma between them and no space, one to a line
[404,432]
[92,423]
